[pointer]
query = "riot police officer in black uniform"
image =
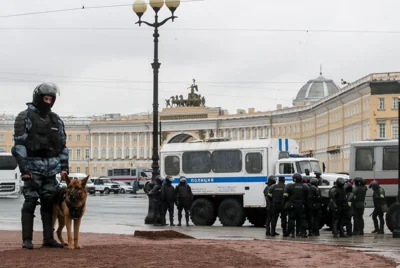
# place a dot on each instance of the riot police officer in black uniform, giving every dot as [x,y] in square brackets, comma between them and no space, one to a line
[359,191]
[348,187]
[295,197]
[378,196]
[338,207]
[168,198]
[184,197]
[271,181]
[275,196]
[41,152]
[156,192]
[314,207]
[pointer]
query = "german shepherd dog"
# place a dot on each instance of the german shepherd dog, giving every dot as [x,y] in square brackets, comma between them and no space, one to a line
[70,204]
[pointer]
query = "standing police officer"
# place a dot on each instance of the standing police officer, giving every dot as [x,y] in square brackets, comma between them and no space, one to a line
[314,206]
[295,197]
[184,198]
[378,197]
[358,205]
[270,181]
[350,212]
[41,152]
[338,207]
[156,192]
[168,198]
[275,196]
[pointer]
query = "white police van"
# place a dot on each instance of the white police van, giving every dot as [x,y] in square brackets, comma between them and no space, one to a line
[228,177]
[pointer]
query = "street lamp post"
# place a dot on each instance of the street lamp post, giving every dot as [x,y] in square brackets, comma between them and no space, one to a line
[140,7]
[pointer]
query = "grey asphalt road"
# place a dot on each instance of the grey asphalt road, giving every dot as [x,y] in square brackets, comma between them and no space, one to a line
[123,214]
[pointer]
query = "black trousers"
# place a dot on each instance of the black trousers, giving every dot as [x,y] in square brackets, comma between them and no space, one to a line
[168,205]
[278,210]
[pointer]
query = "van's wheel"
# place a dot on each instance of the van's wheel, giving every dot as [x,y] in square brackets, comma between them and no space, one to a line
[107,191]
[231,213]
[393,217]
[202,212]
[257,217]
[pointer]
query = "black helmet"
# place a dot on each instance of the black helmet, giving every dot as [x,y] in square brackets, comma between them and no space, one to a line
[307,171]
[314,182]
[318,175]
[282,179]
[374,185]
[159,179]
[358,181]
[297,177]
[340,182]
[348,187]
[271,180]
[45,89]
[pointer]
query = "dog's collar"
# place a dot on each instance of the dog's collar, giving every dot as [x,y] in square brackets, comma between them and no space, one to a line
[75,212]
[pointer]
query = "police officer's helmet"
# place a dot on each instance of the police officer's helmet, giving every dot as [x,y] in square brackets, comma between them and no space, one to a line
[297,177]
[281,179]
[182,179]
[358,181]
[374,185]
[340,182]
[169,178]
[271,180]
[318,175]
[159,179]
[348,187]
[314,181]
[45,89]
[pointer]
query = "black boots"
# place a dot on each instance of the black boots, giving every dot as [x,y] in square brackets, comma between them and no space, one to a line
[27,230]
[48,239]
[171,221]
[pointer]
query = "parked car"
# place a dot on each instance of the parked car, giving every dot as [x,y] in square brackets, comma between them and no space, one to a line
[124,187]
[104,185]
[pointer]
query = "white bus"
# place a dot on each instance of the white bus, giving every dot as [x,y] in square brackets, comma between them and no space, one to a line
[376,160]
[10,183]
[228,177]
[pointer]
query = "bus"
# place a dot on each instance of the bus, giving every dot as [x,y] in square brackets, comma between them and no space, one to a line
[228,177]
[376,160]
[10,183]
[128,175]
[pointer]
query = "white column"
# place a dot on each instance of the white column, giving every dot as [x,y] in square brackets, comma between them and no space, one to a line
[99,148]
[115,146]
[123,146]
[145,144]
[107,150]
[251,133]
[130,145]
[91,146]
[137,142]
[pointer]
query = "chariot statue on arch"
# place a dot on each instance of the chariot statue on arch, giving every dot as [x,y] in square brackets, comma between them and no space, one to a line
[193,99]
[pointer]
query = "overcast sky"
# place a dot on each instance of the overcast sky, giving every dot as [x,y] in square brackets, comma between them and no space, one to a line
[214,41]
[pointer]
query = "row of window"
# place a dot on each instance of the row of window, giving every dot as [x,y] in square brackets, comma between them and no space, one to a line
[365,158]
[220,161]
[78,138]
[118,137]
[78,154]
[381,103]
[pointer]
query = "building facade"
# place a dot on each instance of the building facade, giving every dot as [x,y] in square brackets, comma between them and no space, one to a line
[323,123]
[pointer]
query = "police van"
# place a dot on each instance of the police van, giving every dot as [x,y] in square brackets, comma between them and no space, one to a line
[228,177]
[376,160]
[10,183]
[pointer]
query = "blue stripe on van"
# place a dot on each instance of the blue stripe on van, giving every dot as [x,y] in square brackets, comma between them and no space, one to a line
[229,179]
[280,144]
[287,145]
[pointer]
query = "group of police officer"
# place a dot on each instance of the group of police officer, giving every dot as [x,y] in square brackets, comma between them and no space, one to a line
[299,206]
[166,196]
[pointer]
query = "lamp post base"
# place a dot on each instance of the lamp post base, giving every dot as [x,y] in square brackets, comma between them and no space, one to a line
[150,213]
